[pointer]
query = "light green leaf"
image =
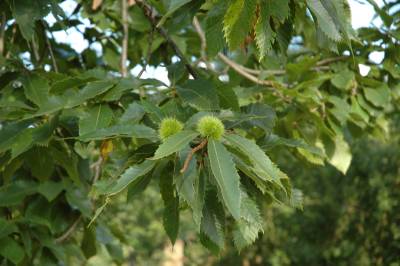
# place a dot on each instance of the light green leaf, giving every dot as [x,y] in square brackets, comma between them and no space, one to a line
[343,79]
[226,175]
[250,224]
[340,110]
[130,175]
[265,36]
[98,117]
[263,166]
[357,112]
[325,21]
[133,114]
[379,97]
[174,143]
[341,157]
[238,21]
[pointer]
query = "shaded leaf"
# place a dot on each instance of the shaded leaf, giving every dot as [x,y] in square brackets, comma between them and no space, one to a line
[171,206]
[199,93]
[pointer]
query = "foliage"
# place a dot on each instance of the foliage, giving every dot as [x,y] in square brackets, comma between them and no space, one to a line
[77,132]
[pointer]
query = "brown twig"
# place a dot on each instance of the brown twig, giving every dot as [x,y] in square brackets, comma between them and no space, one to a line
[238,68]
[148,13]
[125,30]
[203,41]
[191,153]
[69,232]
[331,60]
[2,31]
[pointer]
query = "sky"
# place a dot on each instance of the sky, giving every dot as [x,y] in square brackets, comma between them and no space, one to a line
[362,16]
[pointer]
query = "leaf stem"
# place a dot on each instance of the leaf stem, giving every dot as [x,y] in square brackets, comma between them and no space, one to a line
[191,153]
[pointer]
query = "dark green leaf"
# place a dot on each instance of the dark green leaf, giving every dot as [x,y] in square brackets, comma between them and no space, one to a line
[11,250]
[15,192]
[130,175]
[225,174]
[171,206]
[199,93]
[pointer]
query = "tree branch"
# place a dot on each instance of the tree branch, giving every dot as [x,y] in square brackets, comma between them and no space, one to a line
[235,66]
[238,68]
[331,60]
[202,36]
[50,47]
[69,232]
[125,30]
[191,153]
[148,13]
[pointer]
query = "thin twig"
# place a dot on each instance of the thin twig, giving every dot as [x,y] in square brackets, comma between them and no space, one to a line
[235,66]
[69,232]
[124,53]
[320,66]
[203,41]
[14,33]
[331,60]
[147,12]
[35,50]
[53,59]
[191,153]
